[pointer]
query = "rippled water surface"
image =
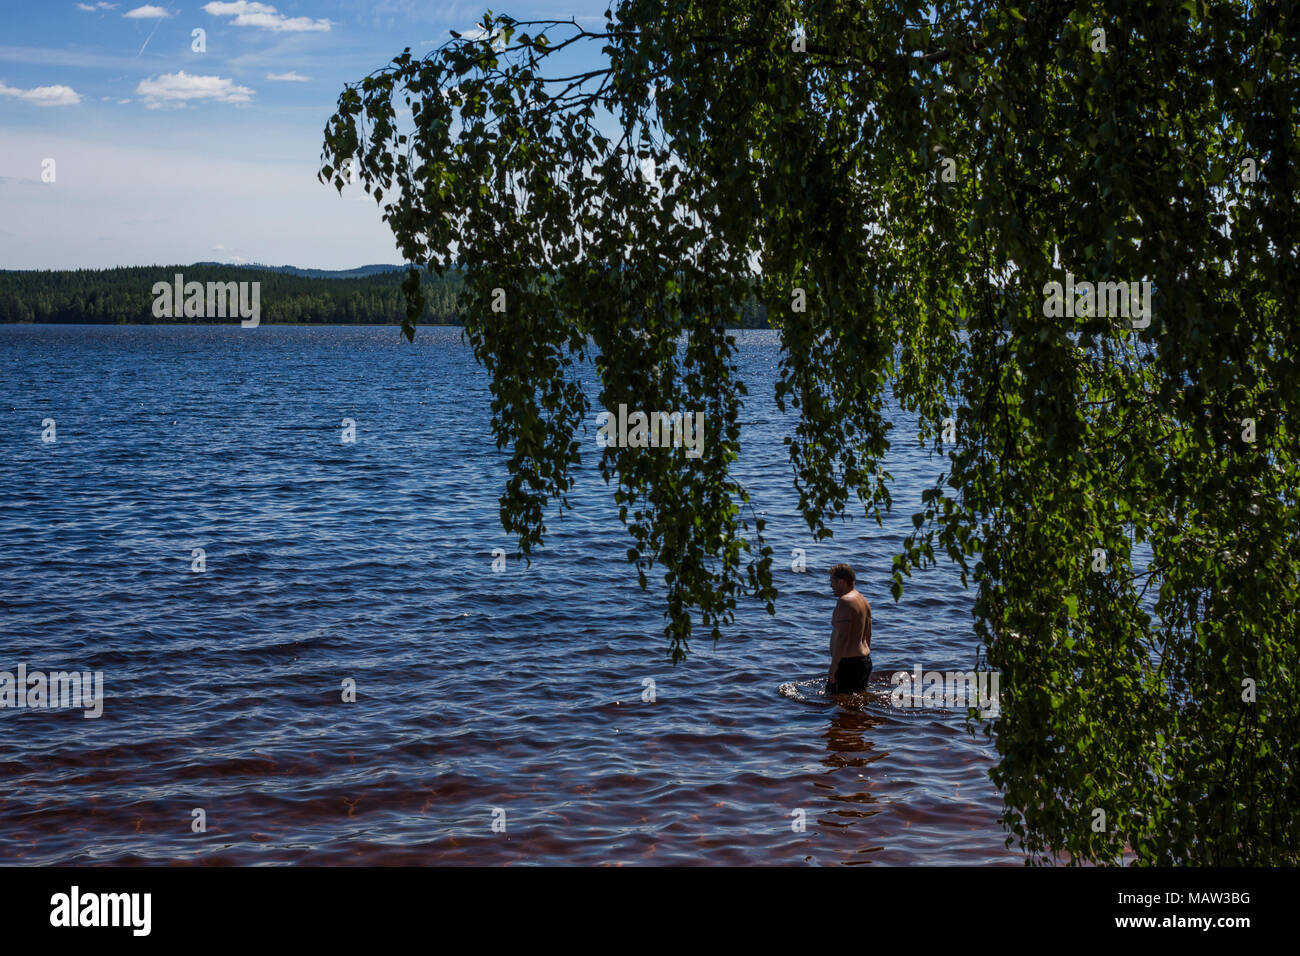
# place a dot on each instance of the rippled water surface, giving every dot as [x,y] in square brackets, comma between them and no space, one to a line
[480,696]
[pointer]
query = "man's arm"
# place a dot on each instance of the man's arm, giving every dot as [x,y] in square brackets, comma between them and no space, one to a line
[840,618]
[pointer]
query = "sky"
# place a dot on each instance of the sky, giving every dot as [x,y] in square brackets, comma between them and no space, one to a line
[122,144]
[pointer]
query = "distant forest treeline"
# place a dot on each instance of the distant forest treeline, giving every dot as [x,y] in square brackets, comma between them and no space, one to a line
[125,295]
[371,295]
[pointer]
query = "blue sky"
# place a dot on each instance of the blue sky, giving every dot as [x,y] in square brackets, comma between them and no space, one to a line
[163,154]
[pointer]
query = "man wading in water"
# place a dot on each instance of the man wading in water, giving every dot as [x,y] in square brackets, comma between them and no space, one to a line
[850,635]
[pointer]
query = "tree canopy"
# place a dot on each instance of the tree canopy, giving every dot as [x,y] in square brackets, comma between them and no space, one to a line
[907,181]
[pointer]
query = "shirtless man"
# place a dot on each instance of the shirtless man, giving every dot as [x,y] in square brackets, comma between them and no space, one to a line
[850,635]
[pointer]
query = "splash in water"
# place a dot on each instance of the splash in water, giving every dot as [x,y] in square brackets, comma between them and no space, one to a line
[814,692]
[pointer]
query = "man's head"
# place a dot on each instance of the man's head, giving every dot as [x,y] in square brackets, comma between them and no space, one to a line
[842,579]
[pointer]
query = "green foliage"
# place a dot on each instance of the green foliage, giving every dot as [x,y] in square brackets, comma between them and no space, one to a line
[1122,688]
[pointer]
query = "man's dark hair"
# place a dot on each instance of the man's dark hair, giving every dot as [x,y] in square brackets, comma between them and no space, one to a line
[845,572]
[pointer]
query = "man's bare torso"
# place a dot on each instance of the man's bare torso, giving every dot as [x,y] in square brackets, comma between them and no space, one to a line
[851,626]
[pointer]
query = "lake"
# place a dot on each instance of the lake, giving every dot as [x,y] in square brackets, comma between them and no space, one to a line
[500,718]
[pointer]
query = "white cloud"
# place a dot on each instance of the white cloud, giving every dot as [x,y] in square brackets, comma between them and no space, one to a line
[264,15]
[175,89]
[147,13]
[92,7]
[290,77]
[478,33]
[44,95]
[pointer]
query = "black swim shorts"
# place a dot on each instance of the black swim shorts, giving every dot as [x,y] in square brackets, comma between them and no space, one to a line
[851,675]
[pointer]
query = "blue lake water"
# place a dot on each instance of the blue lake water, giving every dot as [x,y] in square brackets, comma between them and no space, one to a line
[482,697]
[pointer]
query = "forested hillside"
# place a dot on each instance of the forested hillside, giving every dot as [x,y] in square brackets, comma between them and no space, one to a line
[125,295]
[287,295]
